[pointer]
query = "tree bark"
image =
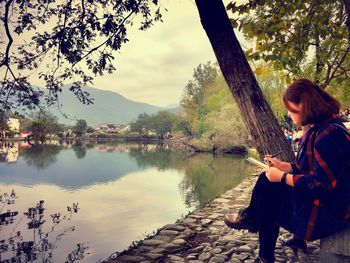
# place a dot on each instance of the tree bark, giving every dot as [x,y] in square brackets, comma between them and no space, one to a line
[257,114]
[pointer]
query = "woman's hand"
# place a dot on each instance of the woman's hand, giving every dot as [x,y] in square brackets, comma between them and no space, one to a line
[274,175]
[274,162]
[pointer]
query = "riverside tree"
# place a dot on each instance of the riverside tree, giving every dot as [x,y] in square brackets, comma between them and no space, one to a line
[160,123]
[44,124]
[80,127]
[256,112]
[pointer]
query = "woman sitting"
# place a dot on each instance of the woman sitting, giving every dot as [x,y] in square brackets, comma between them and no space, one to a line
[311,197]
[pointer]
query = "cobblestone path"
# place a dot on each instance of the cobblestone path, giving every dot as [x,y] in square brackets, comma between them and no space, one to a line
[203,237]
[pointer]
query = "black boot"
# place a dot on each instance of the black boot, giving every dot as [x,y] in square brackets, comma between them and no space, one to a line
[261,260]
[294,242]
[242,221]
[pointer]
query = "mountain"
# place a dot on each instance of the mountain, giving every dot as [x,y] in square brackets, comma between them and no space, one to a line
[108,107]
[172,105]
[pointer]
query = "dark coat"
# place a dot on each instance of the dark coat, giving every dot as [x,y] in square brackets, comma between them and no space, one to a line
[319,203]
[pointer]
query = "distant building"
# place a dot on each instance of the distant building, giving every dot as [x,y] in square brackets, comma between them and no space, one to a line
[24,134]
[112,128]
[13,125]
[127,128]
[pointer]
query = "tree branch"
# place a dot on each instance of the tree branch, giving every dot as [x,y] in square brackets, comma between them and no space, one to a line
[6,59]
[331,75]
[24,88]
[62,35]
[103,43]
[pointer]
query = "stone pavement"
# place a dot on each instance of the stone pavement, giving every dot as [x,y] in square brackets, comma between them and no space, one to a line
[203,237]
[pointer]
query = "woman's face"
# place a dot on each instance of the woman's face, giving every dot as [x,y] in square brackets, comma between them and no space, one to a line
[294,113]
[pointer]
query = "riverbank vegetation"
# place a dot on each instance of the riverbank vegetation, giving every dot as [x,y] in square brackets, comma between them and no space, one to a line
[213,116]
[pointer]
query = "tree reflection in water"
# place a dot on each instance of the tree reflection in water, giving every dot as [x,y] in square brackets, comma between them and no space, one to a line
[41,156]
[208,175]
[14,247]
[163,156]
[205,175]
[80,149]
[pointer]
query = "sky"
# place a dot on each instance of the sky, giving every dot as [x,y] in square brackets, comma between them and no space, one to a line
[156,64]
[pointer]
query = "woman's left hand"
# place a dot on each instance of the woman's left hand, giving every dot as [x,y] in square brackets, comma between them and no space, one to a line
[274,175]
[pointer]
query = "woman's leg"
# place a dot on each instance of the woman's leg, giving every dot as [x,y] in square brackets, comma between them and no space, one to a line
[268,209]
[246,218]
[261,214]
[269,200]
[263,187]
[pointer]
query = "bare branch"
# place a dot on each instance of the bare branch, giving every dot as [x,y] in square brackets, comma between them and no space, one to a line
[6,59]
[331,74]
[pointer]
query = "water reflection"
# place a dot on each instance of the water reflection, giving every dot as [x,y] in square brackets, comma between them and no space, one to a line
[40,156]
[116,184]
[19,245]
[8,152]
[80,150]
[163,156]
[207,175]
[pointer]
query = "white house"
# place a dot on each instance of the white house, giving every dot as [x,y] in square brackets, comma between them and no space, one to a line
[13,124]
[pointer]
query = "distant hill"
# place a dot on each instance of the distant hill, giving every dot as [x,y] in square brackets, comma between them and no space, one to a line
[108,107]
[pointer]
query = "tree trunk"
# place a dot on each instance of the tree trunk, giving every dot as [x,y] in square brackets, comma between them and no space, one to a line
[257,114]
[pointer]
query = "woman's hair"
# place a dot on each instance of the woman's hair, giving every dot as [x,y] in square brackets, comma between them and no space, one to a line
[316,104]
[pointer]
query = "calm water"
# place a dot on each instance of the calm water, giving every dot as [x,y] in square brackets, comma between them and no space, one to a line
[82,202]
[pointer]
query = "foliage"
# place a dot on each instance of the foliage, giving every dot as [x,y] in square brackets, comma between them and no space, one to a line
[90,129]
[184,126]
[212,112]
[159,124]
[221,123]
[192,97]
[163,122]
[43,125]
[80,127]
[291,34]
[142,125]
[38,241]
[5,130]
[64,41]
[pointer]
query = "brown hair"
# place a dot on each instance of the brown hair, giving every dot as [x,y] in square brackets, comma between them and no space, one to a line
[316,104]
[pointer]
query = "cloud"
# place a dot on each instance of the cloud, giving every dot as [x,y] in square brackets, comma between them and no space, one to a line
[156,64]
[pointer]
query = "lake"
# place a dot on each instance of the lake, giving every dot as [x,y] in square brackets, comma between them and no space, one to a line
[81,202]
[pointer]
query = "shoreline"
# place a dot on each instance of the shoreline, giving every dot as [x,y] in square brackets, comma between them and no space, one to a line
[233,150]
[201,236]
